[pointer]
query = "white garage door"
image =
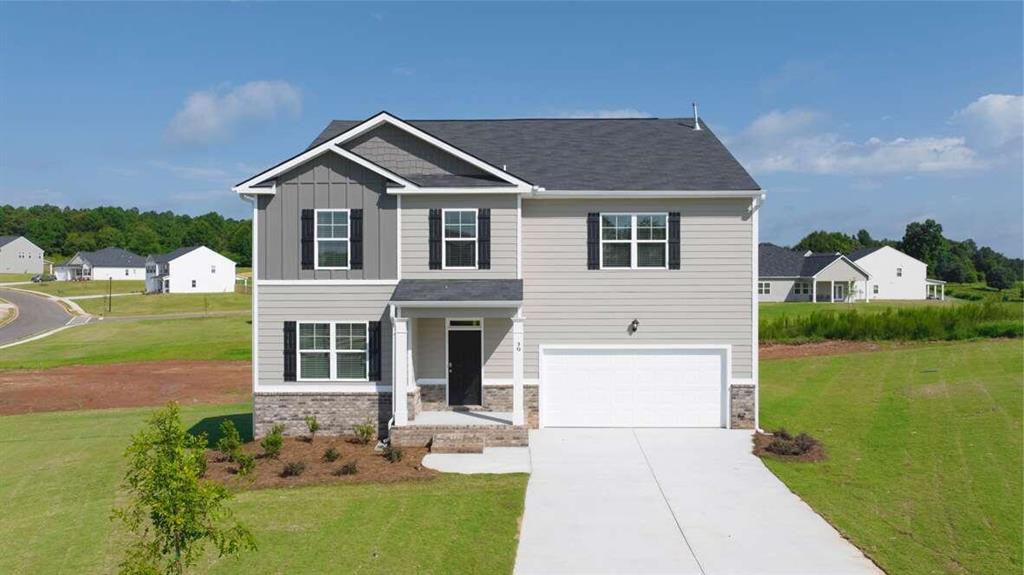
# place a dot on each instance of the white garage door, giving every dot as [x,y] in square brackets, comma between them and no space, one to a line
[635,387]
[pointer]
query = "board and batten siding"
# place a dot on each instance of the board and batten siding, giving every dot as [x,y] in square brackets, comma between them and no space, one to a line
[326,303]
[430,339]
[707,301]
[327,182]
[416,235]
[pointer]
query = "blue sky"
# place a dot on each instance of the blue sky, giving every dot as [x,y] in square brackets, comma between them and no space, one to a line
[849,115]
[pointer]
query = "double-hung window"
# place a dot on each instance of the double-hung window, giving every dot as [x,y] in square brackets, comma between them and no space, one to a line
[634,240]
[333,351]
[764,288]
[332,239]
[460,237]
[899,272]
[802,288]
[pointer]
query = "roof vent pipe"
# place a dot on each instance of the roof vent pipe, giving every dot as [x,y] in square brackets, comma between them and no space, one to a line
[696,118]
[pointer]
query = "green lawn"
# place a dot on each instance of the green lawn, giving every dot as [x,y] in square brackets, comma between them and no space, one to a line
[113,341]
[15,277]
[979,290]
[72,289]
[168,303]
[924,451]
[773,310]
[61,477]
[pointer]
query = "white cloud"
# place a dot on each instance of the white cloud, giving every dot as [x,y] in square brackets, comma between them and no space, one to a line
[607,114]
[211,114]
[797,141]
[995,120]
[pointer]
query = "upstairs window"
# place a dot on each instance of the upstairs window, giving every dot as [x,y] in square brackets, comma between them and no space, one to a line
[332,239]
[460,237]
[874,289]
[899,272]
[632,241]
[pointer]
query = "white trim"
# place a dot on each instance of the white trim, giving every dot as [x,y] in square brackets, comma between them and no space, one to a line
[457,304]
[519,237]
[340,388]
[470,190]
[764,288]
[499,382]
[398,235]
[255,351]
[427,381]
[331,352]
[541,193]
[634,241]
[449,328]
[849,261]
[347,239]
[326,282]
[250,186]
[755,315]
[445,238]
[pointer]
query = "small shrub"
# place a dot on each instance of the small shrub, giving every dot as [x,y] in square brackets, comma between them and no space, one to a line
[392,454]
[349,468]
[230,442]
[293,469]
[782,443]
[313,425]
[331,454]
[365,432]
[273,442]
[246,463]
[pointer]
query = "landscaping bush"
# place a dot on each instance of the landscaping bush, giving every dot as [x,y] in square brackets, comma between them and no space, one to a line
[230,442]
[782,443]
[957,322]
[313,425]
[349,468]
[392,454]
[365,432]
[293,469]
[246,463]
[331,454]
[273,442]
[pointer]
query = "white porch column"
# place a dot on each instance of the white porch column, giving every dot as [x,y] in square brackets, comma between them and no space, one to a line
[867,290]
[814,290]
[400,369]
[832,291]
[518,403]
[943,296]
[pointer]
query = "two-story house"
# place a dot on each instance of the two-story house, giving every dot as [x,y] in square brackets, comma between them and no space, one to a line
[442,275]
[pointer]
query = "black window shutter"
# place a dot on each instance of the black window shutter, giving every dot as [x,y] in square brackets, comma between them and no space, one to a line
[483,242]
[593,241]
[307,239]
[289,351]
[355,239]
[374,351]
[435,239]
[673,240]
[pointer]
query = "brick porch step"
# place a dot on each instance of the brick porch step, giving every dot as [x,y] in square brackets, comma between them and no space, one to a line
[458,438]
[457,442]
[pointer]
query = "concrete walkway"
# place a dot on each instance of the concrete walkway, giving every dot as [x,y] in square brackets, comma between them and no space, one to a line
[668,501]
[492,460]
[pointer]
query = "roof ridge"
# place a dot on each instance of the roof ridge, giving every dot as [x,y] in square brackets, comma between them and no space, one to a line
[528,119]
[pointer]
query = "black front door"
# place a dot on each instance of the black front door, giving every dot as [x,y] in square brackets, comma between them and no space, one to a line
[464,367]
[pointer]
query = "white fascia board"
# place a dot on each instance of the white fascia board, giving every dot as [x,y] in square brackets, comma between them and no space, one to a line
[246,187]
[436,191]
[459,304]
[841,257]
[326,282]
[562,194]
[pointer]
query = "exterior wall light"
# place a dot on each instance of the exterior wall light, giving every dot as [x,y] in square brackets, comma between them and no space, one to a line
[634,326]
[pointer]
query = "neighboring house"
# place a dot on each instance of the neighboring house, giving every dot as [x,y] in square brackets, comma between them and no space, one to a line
[570,272]
[196,269]
[108,263]
[20,256]
[788,275]
[895,275]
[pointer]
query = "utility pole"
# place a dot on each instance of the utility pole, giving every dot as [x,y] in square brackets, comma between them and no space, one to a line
[110,294]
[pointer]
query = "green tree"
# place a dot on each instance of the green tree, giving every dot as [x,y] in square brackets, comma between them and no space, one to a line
[173,514]
[143,240]
[999,278]
[865,240]
[110,237]
[952,268]
[924,241]
[831,242]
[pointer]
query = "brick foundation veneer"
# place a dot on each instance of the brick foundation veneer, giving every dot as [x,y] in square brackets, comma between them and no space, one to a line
[337,413]
[499,398]
[741,401]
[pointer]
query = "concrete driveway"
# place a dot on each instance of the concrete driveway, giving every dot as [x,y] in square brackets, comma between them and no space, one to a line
[668,501]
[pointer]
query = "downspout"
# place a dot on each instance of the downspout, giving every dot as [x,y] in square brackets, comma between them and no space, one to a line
[394,396]
[254,304]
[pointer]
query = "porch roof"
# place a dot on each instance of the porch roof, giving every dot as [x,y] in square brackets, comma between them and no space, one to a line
[504,292]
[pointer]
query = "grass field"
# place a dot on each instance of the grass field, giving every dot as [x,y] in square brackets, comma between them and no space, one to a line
[924,451]
[15,277]
[144,340]
[979,290]
[72,289]
[168,303]
[62,472]
[768,311]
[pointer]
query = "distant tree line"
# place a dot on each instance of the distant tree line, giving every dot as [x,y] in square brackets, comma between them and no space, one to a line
[949,260]
[62,232]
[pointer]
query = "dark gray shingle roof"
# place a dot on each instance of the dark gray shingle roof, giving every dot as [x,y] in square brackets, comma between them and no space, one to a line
[857,254]
[592,154]
[164,258]
[459,290]
[4,240]
[113,258]
[452,180]
[814,263]
[775,261]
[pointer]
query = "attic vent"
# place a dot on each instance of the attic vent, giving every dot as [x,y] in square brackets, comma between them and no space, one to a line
[696,118]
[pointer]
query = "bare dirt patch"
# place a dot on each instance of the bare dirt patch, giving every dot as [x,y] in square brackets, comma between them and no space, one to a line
[761,449]
[371,467]
[831,347]
[124,385]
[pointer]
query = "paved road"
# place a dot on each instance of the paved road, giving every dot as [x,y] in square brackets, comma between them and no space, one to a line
[36,314]
[681,501]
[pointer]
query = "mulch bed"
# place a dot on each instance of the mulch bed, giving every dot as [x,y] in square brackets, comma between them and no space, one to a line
[371,465]
[761,441]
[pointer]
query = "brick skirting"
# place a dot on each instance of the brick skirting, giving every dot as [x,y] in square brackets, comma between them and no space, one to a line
[741,401]
[337,413]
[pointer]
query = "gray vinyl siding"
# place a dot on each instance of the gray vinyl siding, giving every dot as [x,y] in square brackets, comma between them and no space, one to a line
[783,290]
[328,181]
[278,304]
[707,301]
[430,341]
[20,256]
[840,271]
[407,155]
[416,235]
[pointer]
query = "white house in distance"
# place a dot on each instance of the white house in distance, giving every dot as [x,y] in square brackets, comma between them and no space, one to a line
[196,269]
[895,275]
[20,256]
[108,263]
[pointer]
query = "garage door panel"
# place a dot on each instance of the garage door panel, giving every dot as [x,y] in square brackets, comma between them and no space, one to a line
[636,387]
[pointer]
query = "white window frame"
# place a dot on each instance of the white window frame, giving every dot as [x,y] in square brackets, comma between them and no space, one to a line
[316,239]
[802,288]
[764,288]
[475,239]
[633,240]
[332,351]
